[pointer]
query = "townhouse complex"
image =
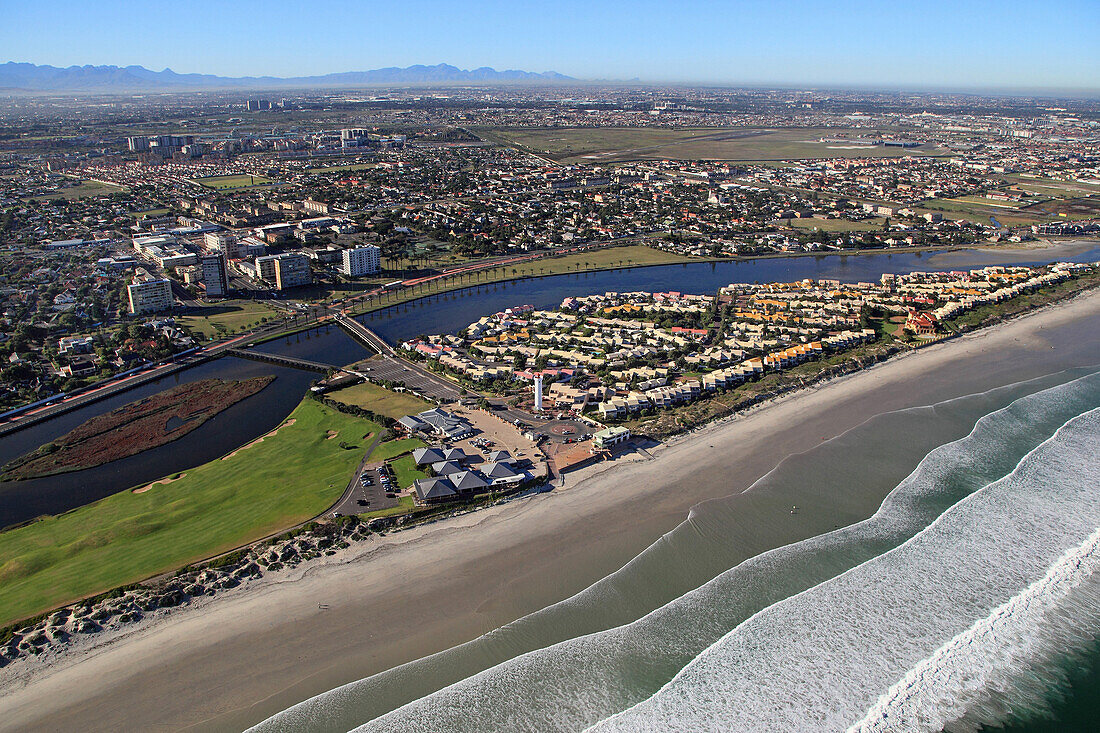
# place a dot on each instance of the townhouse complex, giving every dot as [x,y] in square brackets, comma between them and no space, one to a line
[615,355]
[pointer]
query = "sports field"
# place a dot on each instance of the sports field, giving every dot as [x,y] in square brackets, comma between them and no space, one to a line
[606,144]
[226,183]
[266,487]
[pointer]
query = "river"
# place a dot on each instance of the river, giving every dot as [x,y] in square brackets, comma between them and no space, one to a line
[246,420]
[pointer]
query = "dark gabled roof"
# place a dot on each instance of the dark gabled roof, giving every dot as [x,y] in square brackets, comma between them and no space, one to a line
[500,455]
[467,481]
[412,423]
[423,456]
[444,468]
[497,470]
[433,488]
[454,454]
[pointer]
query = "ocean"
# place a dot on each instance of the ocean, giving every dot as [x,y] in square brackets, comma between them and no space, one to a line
[967,601]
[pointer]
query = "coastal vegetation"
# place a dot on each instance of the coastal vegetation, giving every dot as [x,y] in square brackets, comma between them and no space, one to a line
[293,474]
[134,428]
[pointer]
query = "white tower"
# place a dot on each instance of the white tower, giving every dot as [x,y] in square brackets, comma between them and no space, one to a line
[538,393]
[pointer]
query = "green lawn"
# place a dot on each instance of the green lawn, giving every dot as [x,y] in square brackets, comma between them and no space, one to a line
[395,448]
[380,400]
[223,183]
[226,317]
[405,471]
[268,487]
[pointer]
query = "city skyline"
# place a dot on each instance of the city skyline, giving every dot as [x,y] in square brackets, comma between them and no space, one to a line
[849,45]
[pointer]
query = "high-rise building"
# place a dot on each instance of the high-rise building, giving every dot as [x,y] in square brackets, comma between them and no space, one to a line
[255,105]
[136,144]
[149,294]
[225,243]
[214,276]
[362,260]
[291,271]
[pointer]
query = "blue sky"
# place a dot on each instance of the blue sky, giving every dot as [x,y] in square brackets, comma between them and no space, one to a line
[934,43]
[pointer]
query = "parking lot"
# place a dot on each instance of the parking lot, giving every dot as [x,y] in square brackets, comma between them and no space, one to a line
[369,495]
[386,367]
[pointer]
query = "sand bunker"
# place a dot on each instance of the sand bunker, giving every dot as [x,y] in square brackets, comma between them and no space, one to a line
[145,488]
[260,439]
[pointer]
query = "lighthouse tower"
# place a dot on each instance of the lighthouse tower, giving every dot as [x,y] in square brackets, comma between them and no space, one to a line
[538,393]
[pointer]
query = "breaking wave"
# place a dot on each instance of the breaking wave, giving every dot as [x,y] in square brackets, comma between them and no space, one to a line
[819,659]
[588,675]
[989,672]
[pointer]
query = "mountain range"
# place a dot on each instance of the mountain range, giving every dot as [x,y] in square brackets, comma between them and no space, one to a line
[35,78]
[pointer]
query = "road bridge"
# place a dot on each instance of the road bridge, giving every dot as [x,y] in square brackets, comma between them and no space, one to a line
[363,334]
[281,360]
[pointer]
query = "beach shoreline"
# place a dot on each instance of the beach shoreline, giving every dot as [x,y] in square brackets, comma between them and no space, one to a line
[224,662]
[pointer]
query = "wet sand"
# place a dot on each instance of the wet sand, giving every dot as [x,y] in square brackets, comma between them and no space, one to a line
[234,660]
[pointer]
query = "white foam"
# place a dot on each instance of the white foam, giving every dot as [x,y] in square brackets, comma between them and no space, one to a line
[991,668]
[819,659]
[581,680]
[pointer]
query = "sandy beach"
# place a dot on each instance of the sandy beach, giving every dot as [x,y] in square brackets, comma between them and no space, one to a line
[233,660]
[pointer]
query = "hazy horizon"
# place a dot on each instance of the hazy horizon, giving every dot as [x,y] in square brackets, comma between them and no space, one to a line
[954,46]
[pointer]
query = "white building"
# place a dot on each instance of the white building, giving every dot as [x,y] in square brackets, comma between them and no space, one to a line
[149,294]
[362,261]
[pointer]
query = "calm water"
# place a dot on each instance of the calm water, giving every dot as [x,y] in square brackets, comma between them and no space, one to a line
[453,311]
[256,415]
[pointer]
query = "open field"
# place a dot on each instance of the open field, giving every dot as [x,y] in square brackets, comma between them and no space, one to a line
[380,400]
[149,213]
[226,317]
[592,145]
[84,189]
[839,225]
[288,477]
[980,213]
[224,183]
[349,167]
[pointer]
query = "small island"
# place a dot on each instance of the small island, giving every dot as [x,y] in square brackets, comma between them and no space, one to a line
[134,428]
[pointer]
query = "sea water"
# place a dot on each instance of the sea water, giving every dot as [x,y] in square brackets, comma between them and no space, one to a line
[572,666]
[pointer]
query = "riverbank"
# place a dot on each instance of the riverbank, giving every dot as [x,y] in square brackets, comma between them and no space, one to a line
[232,660]
[134,428]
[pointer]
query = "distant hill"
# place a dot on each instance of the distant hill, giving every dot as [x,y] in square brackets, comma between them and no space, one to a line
[31,77]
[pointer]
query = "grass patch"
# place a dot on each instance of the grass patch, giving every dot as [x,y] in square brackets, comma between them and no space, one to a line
[225,183]
[405,471]
[380,400]
[84,189]
[395,448]
[226,317]
[607,144]
[124,538]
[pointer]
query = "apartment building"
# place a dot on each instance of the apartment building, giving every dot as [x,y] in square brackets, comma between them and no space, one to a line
[149,294]
[359,261]
[215,277]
